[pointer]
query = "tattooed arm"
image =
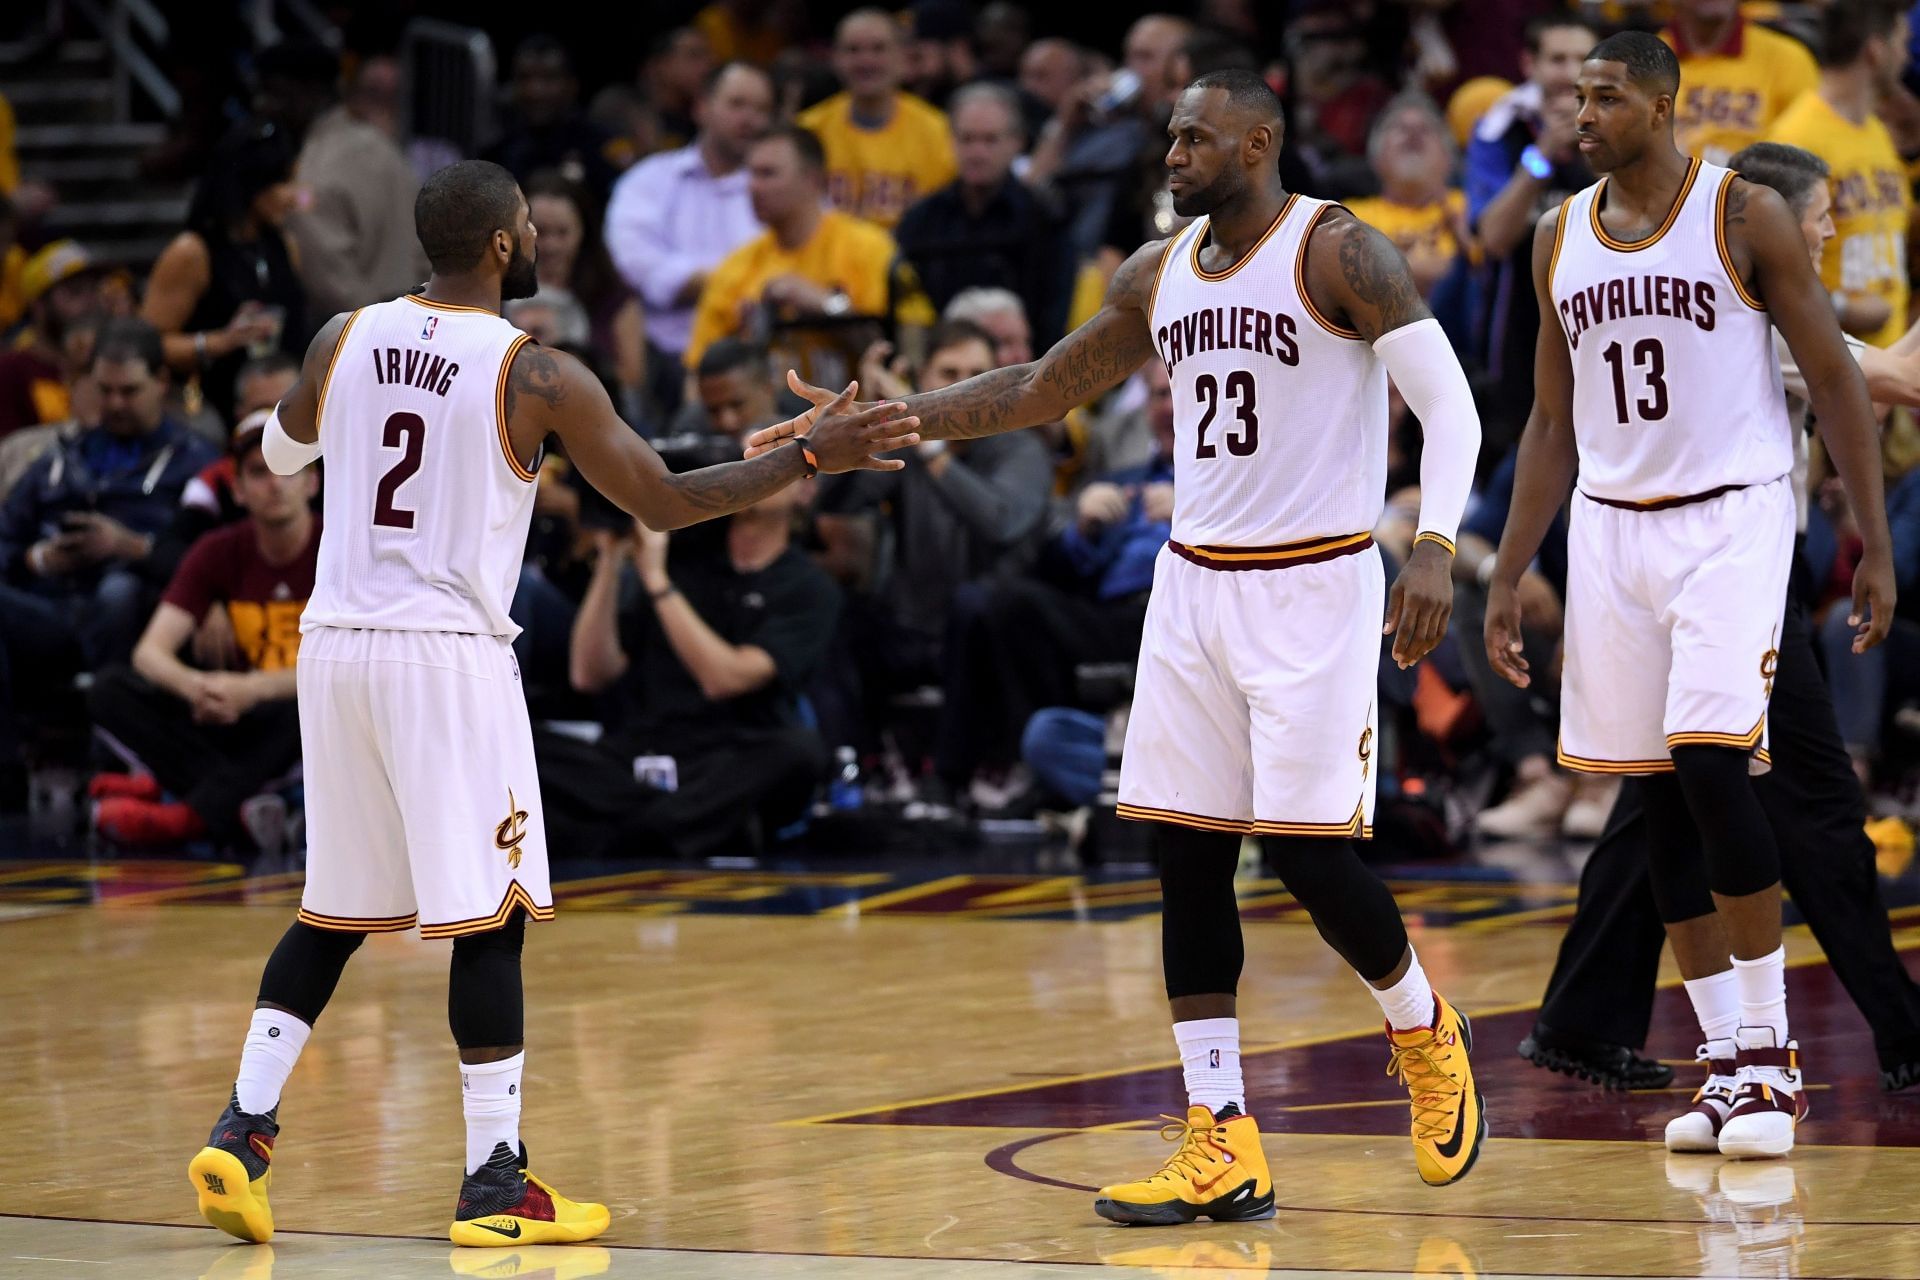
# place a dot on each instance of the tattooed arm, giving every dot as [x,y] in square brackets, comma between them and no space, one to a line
[1092,359]
[549,392]
[1356,278]
[1764,240]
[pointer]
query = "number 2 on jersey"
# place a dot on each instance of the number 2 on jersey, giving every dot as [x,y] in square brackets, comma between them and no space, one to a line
[1240,443]
[406,431]
[1650,356]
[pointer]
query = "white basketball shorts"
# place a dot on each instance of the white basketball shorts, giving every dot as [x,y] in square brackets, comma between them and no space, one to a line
[1673,628]
[1254,709]
[422,801]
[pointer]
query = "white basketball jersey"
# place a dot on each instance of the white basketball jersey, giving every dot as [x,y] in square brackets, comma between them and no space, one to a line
[1676,388]
[426,507]
[1280,417]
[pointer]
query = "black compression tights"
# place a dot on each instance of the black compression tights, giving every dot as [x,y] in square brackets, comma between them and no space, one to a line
[1200,939]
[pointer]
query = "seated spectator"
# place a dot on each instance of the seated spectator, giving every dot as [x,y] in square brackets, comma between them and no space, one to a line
[736,389]
[548,130]
[573,264]
[986,229]
[961,514]
[1051,70]
[1413,157]
[673,82]
[60,288]
[938,57]
[1004,317]
[885,148]
[225,288]
[812,263]
[1023,646]
[353,224]
[704,644]
[674,216]
[77,532]
[211,498]
[20,448]
[214,738]
[1000,35]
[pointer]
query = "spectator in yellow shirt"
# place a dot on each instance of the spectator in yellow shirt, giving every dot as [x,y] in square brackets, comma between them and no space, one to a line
[1864,51]
[1412,154]
[1736,77]
[811,262]
[885,148]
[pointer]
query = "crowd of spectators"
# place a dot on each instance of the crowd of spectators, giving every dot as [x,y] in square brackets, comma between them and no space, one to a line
[911,198]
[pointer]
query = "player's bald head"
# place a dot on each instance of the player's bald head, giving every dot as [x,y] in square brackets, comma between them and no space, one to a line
[1235,99]
[1651,66]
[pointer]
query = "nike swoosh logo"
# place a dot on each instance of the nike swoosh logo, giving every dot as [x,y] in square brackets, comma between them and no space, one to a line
[1204,1187]
[511,1235]
[1451,1147]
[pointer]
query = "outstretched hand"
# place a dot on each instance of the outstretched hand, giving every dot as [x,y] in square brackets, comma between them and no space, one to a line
[844,434]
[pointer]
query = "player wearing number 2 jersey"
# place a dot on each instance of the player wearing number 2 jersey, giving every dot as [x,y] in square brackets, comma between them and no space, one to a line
[1659,287]
[422,803]
[1279,319]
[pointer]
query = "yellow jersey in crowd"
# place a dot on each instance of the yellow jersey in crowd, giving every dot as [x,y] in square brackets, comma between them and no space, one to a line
[844,253]
[1424,234]
[877,173]
[1871,199]
[1730,95]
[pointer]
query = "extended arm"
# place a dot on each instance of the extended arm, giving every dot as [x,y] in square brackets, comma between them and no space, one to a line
[1761,228]
[1543,474]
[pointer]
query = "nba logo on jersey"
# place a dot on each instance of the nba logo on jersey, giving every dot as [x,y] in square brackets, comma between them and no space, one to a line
[426,330]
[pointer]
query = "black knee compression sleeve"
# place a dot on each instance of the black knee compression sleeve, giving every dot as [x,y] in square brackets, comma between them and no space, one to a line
[484,1005]
[304,969]
[1200,945]
[1676,865]
[1353,911]
[1742,855]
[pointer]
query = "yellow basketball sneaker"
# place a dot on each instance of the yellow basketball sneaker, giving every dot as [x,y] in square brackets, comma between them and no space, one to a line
[503,1205]
[232,1172]
[1218,1172]
[1449,1122]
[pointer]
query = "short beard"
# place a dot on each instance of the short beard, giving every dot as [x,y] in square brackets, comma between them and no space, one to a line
[520,280]
[1209,198]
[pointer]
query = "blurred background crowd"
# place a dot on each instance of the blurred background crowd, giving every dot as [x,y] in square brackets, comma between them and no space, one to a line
[724,191]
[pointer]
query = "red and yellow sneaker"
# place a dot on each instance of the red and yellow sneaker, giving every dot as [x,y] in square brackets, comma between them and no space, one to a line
[1449,1120]
[232,1172]
[1218,1171]
[501,1205]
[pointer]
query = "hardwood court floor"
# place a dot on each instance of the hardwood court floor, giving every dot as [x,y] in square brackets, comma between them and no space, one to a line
[862,1096]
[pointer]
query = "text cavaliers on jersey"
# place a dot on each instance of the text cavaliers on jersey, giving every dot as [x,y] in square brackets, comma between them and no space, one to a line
[1606,301]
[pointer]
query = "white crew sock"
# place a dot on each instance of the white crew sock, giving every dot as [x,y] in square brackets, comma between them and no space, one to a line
[1408,1003]
[1716,1002]
[273,1045]
[1763,993]
[490,1095]
[1210,1053]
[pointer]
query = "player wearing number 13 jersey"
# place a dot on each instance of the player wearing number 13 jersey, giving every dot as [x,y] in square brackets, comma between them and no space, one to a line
[1279,319]
[422,803]
[1658,383]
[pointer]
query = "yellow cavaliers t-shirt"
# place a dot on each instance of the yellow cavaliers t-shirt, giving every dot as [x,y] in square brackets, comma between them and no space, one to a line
[1868,253]
[1426,231]
[877,173]
[844,253]
[1730,95]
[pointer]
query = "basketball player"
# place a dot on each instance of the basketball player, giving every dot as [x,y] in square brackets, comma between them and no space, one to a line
[1660,384]
[422,803]
[1279,318]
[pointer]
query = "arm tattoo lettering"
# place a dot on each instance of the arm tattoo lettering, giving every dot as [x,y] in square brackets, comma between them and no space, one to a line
[729,487]
[1378,278]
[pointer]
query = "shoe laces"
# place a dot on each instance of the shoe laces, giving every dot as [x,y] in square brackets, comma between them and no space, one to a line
[1190,1157]
[1418,1068]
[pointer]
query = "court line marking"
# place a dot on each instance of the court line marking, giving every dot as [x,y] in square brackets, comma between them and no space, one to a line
[909,1257]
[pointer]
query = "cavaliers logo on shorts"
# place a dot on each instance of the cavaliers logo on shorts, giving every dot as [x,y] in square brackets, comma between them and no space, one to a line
[511,831]
[1769,667]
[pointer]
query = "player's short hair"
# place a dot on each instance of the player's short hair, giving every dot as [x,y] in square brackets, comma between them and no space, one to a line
[458,210]
[1246,91]
[953,333]
[1792,171]
[731,355]
[1649,62]
[1846,27]
[804,141]
[1537,28]
[130,338]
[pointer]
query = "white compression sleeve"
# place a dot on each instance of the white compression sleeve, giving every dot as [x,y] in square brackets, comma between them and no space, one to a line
[283,453]
[1422,364]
